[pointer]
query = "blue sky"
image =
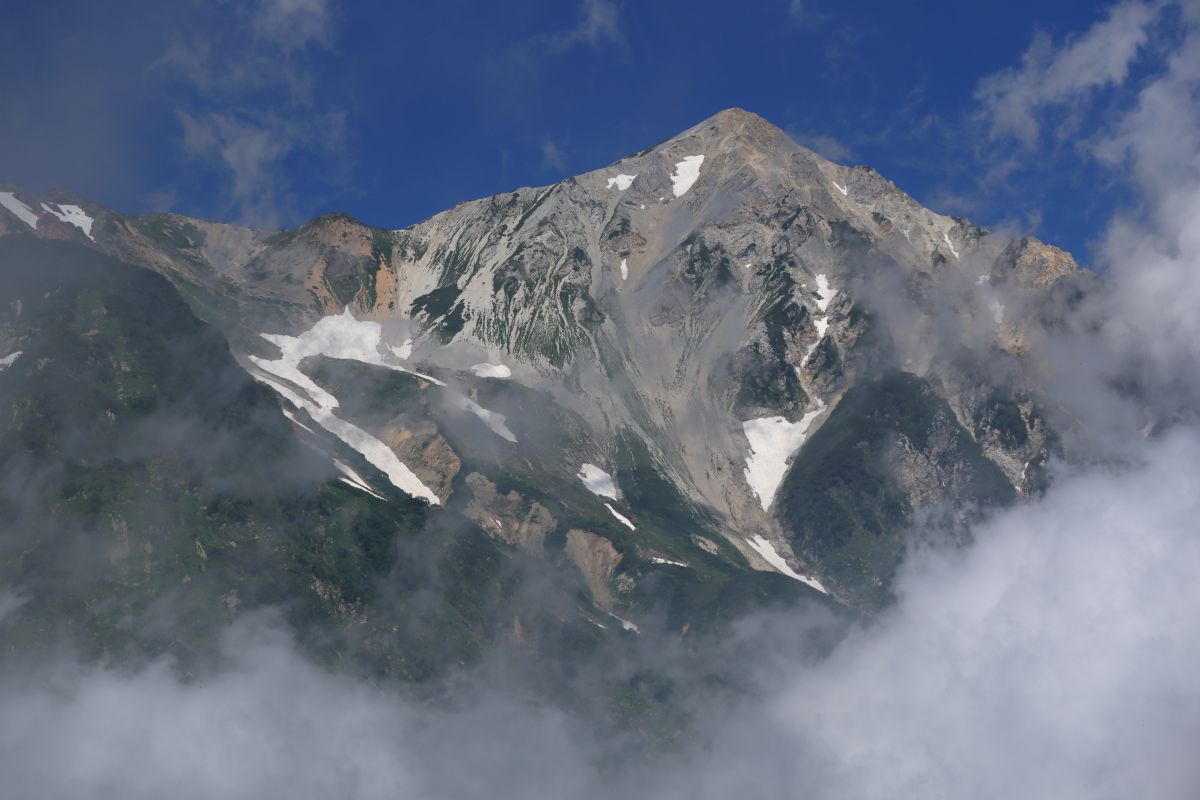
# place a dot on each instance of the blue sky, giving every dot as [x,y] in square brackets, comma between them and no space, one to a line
[273,111]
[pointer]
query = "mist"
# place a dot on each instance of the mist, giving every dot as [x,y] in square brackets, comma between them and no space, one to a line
[1054,656]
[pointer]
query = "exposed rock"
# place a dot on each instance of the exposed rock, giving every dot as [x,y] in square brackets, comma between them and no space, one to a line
[508,517]
[596,559]
[418,444]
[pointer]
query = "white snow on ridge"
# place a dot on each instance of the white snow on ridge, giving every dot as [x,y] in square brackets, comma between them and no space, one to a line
[490,418]
[946,239]
[660,560]
[622,182]
[773,440]
[22,211]
[765,549]
[597,481]
[825,292]
[626,624]
[825,295]
[9,360]
[624,269]
[845,192]
[346,338]
[378,454]
[72,215]
[343,337]
[492,371]
[686,173]
[624,520]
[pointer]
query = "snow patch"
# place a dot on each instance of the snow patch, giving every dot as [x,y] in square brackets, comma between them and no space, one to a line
[491,371]
[22,211]
[9,360]
[490,418]
[769,554]
[297,421]
[72,215]
[845,192]
[773,440]
[352,478]
[686,173]
[597,481]
[626,624]
[825,292]
[340,336]
[946,239]
[624,520]
[658,560]
[346,338]
[378,454]
[624,269]
[622,182]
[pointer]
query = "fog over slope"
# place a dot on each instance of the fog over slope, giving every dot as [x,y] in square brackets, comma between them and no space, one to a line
[1055,656]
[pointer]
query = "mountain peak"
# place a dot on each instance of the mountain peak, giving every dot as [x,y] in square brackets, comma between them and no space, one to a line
[738,126]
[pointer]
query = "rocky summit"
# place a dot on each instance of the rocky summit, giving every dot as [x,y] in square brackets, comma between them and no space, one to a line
[720,372]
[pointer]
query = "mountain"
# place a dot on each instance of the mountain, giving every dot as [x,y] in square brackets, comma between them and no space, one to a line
[718,373]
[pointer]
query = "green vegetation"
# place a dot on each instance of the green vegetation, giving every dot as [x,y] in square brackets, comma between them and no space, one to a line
[437,303]
[150,491]
[841,500]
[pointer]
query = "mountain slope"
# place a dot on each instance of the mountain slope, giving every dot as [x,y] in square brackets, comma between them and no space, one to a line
[701,309]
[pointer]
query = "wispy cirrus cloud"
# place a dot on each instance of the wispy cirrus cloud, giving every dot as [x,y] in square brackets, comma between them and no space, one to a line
[250,105]
[825,145]
[553,157]
[599,24]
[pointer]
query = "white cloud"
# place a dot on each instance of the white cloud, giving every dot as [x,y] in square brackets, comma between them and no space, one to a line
[825,146]
[254,102]
[293,24]
[1012,100]
[552,156]
[249,149]
[270,725]
[600,24]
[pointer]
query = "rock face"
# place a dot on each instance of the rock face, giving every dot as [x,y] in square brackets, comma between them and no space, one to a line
[656,320]
[596,559]
[510,517]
